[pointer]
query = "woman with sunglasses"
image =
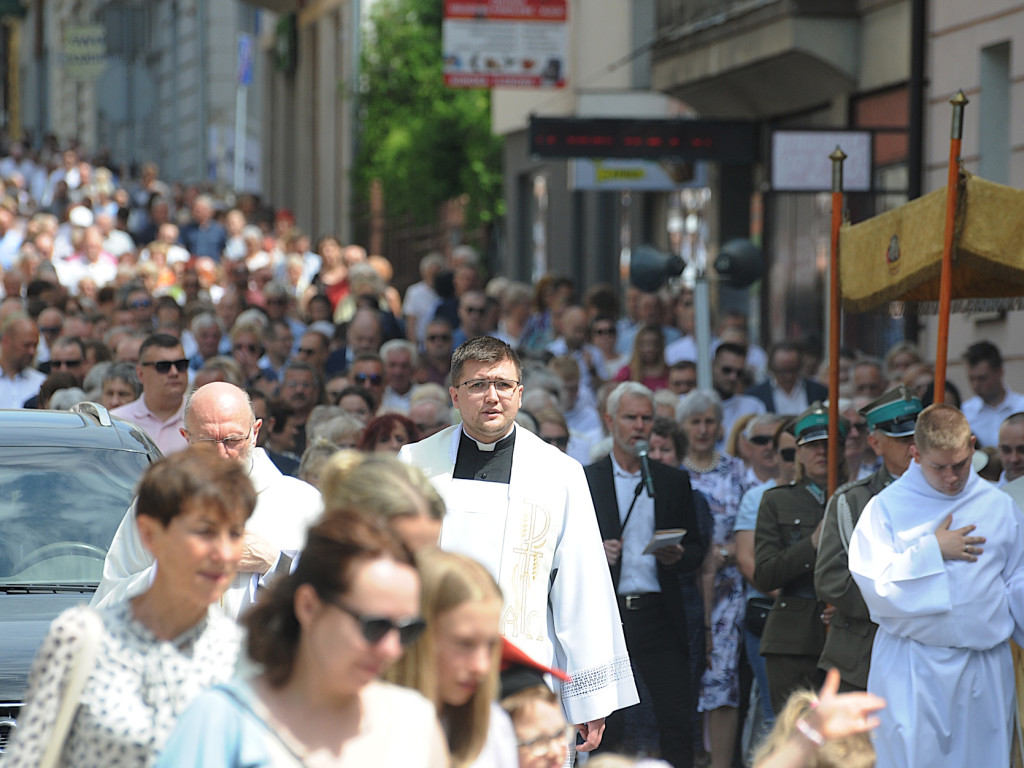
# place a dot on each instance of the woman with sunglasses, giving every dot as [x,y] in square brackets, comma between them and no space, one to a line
[322,636]
[758,450]
[758,602]
[456,662]
[721,479]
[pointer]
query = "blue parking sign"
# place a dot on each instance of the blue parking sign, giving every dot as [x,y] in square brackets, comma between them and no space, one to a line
[246,52]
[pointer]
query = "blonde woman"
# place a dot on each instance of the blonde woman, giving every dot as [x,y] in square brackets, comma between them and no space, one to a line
[380,485]
[456,661]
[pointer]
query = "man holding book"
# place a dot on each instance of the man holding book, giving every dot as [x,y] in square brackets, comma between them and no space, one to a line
[649,584]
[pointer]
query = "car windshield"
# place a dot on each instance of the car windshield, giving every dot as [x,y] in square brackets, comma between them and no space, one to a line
[59,509]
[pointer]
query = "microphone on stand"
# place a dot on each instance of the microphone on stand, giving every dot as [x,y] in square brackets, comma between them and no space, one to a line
[642,448]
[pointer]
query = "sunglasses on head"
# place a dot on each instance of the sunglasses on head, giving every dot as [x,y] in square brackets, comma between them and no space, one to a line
[788,454]
[375,628]
[362,378]
[164,366]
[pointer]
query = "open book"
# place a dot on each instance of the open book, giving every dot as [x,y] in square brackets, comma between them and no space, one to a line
[666,537]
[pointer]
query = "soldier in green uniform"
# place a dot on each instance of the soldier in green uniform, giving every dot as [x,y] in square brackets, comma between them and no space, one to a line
[785,545]
[890,423]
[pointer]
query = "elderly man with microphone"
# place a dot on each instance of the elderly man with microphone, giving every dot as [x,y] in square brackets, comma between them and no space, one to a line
[645,511]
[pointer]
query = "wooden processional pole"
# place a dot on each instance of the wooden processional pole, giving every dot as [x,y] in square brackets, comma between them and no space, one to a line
[946,280]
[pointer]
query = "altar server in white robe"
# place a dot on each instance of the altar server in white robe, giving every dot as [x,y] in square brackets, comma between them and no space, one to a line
[523,509]
[222,414]
[939,559]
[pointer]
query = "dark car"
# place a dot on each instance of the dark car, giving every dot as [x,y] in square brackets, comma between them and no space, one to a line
[66,480]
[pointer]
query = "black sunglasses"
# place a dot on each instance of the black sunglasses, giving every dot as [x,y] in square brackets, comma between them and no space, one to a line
[164,366]
[760,439]
[560,442]
[362,378]
[65,363]
[788,454]
[374,628]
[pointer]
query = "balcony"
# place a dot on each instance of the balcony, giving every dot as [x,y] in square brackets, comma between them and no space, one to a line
[754,59]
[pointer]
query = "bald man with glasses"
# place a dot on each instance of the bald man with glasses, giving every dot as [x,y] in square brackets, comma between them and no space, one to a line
[221,415]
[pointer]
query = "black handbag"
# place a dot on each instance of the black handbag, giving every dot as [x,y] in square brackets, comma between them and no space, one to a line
[757,614]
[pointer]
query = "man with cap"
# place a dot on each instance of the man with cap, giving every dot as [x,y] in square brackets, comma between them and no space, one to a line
[938,556]
[785,548]
[890,425]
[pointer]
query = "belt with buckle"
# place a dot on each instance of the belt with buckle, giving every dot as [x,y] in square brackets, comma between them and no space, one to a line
[640,602]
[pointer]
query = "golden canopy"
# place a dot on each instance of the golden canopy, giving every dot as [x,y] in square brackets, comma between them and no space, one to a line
[897,255]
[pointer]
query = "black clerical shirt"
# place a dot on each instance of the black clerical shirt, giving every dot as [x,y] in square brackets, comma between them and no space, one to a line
[495,466]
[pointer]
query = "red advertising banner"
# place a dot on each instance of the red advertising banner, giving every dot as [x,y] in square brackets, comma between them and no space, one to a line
[505,43]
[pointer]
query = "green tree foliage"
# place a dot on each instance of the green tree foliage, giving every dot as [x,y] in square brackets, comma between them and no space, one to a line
[425,142]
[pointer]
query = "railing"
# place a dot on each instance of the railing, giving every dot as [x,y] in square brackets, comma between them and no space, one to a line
[691,16]
[697,14]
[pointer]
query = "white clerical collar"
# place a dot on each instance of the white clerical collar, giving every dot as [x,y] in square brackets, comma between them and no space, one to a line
[488,447]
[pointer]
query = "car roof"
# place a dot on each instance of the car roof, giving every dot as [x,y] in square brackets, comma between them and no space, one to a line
[88,425]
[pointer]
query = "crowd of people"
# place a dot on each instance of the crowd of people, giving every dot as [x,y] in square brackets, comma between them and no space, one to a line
[370,498]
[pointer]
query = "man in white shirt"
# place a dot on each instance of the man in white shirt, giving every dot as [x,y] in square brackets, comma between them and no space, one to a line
[400,360]
[19,381]
[787,391]
[421,299]
[992,401]
[650,585]
[938,556]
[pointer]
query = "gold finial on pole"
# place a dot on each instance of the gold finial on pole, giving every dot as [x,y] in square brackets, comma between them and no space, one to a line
[959,101]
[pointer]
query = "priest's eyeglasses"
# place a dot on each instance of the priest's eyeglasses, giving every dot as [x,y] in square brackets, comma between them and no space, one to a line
[375,628]
[480,386]
[231,442]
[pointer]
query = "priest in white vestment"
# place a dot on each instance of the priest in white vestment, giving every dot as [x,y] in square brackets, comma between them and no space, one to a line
[523,509]
[285,506]
[939,559]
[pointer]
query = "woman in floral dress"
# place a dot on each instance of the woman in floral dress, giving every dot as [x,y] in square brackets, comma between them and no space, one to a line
[721,479]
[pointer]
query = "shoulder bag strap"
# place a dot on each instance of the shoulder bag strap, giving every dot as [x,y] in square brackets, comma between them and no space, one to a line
[81,668]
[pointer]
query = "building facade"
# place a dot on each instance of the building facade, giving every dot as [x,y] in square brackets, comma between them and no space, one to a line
[147,80]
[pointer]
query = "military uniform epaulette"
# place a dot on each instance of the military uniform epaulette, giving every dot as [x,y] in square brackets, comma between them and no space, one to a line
[851,484]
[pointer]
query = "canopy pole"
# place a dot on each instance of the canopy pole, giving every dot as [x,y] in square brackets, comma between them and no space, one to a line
[834,453]
[959,101]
